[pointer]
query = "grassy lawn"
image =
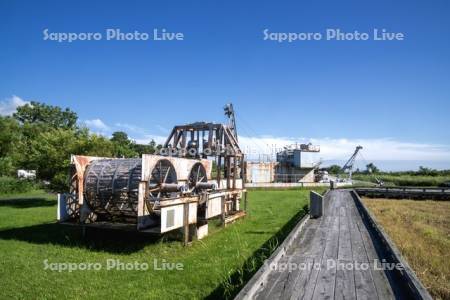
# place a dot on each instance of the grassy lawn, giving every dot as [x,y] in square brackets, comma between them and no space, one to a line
[421,231]
[216,267]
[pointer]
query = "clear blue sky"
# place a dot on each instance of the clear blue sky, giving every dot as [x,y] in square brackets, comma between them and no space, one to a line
[334,89]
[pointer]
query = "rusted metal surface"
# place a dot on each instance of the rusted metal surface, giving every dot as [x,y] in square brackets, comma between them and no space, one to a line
[127,191]
[182,166]
[80,162]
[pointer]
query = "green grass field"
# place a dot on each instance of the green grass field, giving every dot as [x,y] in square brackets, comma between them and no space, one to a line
[406,180]
[216,267]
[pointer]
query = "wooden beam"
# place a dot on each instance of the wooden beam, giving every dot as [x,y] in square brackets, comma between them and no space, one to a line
[186,224]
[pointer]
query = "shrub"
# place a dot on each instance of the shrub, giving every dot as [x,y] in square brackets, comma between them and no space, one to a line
[9,185]
[407,180]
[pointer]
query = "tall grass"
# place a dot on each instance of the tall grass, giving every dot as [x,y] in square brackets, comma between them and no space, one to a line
[407,180]
[421,231]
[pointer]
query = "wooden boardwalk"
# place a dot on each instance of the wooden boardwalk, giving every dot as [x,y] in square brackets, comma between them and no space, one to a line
[339,237]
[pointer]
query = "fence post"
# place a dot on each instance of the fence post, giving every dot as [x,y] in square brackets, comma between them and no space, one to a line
[315,205]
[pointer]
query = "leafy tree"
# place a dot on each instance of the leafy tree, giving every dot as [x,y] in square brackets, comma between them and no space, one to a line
[371,168]
[120,137]
[35,119]
[50,156]
[427,171]
[9,138]
[9,135]
[334,169]
[51,150]
[99,146]
[47,115]
[43,137]
[94,144]
[123,147]
[145,149]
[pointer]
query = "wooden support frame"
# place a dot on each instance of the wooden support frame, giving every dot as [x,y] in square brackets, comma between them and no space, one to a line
[223,204]
[218,140]
[222,144]
[186,224]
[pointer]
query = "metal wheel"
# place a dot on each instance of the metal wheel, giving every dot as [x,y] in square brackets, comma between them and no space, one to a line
[197,174]
[163,180]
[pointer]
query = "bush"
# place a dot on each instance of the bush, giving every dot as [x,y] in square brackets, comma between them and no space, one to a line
[6,166]
[9,185]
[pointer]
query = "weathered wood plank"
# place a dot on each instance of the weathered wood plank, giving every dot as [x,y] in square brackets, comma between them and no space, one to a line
[299,289]
[345,243]
[332,243]
[278,280]
[340,235]
[364,287]
[311,283]
[381,283]
[326,281]
[296,272]
[345,284]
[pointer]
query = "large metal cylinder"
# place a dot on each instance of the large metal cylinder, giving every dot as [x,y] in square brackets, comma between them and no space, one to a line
[111,185]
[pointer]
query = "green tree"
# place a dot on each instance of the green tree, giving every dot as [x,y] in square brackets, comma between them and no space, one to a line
[51,151]
[120,137]
[9,139]
[36,118]
[424,171]
[93,144]
[145,149]
[334,169]
[47,115]
[123,147]
[50,156]
[43,137]
[371,168]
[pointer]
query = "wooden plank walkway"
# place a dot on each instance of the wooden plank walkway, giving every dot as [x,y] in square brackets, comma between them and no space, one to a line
[340,238]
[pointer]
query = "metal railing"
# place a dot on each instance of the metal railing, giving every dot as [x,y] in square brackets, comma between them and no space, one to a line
[288,177]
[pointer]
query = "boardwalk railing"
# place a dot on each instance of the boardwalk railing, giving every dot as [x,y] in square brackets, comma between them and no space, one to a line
[406,277]
[432,193]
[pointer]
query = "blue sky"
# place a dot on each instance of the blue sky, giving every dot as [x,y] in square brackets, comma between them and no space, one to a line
[393,96]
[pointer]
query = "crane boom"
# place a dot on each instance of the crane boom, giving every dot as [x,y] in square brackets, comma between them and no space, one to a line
[229,112]
[349,164]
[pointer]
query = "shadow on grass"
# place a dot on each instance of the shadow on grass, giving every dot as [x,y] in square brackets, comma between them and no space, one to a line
[107,240]
[27,202]
[258,232]
[231,286]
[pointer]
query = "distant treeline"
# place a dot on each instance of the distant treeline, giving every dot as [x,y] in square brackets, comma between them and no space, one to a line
[421,172]
[372,169]
[422,177]
[42,137]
